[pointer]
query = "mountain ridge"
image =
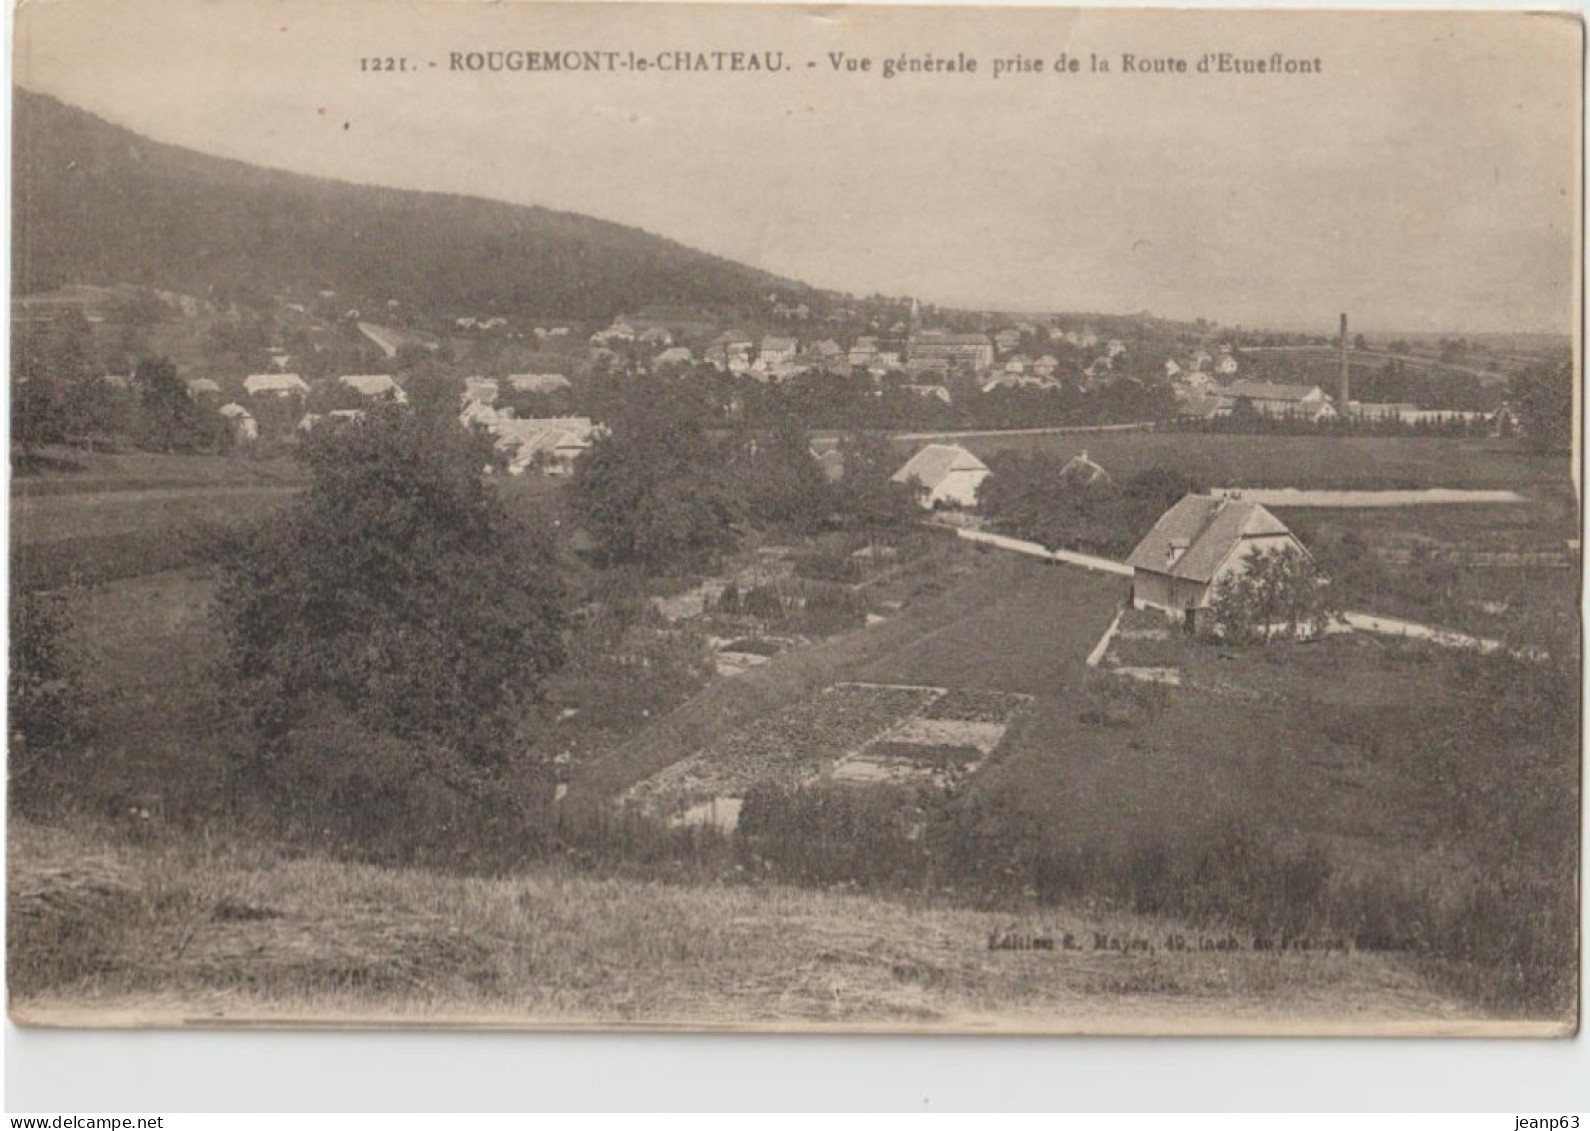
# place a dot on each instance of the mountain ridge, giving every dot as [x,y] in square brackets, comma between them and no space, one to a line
[94,202]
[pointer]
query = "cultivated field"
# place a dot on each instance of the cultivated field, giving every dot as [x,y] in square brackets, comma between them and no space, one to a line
[182,932]
[1298,461]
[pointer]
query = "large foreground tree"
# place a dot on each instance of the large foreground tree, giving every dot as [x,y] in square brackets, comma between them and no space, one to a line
[397,597]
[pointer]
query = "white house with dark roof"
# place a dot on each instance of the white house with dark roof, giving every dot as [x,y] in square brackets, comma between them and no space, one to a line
[1202,539]
[944,475]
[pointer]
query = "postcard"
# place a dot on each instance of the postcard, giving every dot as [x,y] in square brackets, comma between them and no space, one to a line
[837,519]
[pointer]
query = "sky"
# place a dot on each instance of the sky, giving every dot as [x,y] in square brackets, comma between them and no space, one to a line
[1425,179]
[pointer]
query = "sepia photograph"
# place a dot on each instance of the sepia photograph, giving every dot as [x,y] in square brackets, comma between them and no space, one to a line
[608,516]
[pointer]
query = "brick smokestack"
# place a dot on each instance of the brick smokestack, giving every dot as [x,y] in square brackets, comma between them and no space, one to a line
[1345,389]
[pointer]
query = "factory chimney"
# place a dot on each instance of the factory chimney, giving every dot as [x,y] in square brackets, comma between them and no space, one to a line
[1345,390]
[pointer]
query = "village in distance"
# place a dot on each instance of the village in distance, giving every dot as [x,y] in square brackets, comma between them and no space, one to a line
[646,638]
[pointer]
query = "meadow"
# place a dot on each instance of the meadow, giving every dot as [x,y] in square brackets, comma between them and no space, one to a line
[163,930]
[1338,759]
[1319,462]
[102,517]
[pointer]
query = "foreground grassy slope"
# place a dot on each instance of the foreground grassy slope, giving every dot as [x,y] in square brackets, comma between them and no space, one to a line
[190,932]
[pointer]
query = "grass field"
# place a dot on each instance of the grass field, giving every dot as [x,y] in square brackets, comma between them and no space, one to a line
[1297,461]
[1446,565]
[46,519]
[71,471]
[132,514]
[186,931]
[1312,745]
[149,653]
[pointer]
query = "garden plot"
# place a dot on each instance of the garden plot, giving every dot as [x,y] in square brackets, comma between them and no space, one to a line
[948,741]
[788,747]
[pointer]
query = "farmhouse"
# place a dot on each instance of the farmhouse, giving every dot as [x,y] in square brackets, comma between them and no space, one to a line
[1307,401]
[1200,540]
[203,386]
[480,390]
[945,475]
[275,384]
[375,386]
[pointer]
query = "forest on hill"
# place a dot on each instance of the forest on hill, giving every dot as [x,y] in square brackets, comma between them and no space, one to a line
[95,203]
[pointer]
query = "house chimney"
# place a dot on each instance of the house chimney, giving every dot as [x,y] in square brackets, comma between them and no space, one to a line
[1345,390]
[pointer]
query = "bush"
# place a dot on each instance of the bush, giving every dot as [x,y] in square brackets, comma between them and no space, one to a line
[363,794]
[1279,593]
[46,695]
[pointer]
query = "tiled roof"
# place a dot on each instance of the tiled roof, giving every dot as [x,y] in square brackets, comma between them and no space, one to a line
[1209,528]
[934,463]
